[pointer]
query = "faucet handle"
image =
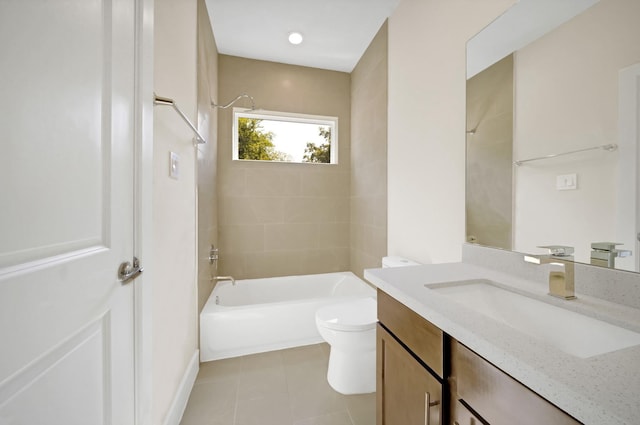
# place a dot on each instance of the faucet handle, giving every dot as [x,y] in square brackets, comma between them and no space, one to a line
[214,256]
[604,246]
[610,247]
[559,250]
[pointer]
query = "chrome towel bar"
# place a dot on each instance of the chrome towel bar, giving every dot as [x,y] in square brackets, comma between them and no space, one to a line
[159,100]
[609,148]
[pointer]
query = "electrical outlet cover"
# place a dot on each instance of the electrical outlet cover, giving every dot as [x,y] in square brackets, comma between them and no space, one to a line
[567,182]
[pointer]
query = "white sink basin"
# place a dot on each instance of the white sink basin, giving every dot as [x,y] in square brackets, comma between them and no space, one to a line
[571,332]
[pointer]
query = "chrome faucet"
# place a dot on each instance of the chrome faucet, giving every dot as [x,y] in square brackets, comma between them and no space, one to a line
[605,253]
[561,272]
[219,278]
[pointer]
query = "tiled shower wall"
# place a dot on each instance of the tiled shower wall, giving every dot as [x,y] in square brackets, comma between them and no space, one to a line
[369,156]
[490,155]
[207,153]
[280,219]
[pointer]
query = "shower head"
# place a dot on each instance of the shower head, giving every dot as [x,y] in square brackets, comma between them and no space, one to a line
[240,96]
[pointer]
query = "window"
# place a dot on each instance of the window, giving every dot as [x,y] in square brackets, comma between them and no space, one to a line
[284,137]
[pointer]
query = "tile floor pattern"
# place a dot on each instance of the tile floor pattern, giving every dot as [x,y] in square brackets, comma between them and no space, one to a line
[287,387]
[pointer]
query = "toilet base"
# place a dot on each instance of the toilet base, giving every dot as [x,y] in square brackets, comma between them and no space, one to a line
[352,372]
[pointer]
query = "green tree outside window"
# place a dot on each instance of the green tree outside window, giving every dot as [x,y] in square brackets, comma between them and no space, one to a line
[322,153]
[255,143]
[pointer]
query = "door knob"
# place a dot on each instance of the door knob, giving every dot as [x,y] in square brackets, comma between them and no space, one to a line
[127,271]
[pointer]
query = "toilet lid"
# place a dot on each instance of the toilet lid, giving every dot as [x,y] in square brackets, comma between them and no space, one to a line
[353,315]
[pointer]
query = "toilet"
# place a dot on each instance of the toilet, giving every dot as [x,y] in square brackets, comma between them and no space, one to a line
[350,329]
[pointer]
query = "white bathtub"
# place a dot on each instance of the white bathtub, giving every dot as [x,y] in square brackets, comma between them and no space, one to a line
[258,315]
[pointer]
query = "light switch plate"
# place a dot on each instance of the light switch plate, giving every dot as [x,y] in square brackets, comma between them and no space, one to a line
[174,165]
[567,182]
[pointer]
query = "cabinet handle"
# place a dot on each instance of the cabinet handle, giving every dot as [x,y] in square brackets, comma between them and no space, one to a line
[428,404]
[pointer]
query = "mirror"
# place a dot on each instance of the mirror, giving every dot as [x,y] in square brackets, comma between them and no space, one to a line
[554,86]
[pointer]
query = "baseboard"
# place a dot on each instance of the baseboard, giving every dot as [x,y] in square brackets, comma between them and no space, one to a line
[174,416]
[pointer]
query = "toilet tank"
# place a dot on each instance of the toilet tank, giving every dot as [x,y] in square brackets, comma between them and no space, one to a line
[397,262]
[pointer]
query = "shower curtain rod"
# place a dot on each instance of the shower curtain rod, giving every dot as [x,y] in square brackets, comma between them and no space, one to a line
[159,100]
[610,148]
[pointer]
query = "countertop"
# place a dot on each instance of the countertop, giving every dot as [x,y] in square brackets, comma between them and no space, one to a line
[599,390]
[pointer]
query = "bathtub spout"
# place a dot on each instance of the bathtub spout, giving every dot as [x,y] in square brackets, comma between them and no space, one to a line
[219,278]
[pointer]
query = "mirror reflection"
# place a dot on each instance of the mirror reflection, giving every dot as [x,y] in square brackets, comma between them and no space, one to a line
[565,108]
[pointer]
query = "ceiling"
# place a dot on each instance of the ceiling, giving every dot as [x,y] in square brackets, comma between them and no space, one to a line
[524,22]
[336,32]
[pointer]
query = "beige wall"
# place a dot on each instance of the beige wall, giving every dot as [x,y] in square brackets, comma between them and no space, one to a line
[369,156]
[490,155]
[207,154]
[567,99]
[174,204]
[279,218]
[426,158]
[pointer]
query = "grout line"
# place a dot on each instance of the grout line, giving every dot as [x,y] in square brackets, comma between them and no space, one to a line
[353,422]
[235,407]
[240,371]
[288,384]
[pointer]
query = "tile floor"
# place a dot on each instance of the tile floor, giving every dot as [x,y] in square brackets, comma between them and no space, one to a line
[287,387]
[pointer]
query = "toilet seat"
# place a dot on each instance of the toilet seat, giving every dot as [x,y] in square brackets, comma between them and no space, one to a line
[352,316]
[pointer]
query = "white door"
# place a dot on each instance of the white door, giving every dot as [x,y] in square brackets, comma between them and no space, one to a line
[66,215]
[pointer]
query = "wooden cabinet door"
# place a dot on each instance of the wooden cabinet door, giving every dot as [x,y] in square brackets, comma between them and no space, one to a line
[460,415]
[407,393]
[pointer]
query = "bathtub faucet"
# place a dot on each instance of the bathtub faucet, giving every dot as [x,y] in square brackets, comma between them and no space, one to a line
[219,278]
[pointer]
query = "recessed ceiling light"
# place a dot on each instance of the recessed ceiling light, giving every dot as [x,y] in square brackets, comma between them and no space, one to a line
[295,38]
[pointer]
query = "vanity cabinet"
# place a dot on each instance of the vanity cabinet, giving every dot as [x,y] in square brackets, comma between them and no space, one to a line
[408,392]
[425,377]
[494,395]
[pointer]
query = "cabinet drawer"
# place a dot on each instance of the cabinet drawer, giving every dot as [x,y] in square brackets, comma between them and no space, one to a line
[423,338]
[497,397]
